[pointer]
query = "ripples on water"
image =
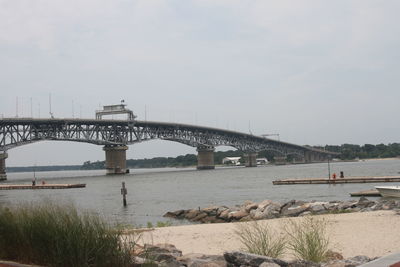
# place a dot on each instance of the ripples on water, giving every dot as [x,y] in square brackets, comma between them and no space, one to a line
[152,192]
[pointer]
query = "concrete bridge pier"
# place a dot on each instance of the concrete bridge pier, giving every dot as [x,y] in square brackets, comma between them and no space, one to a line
[116,159]
[3,156]
[250,159]
[280,160]
[205,157]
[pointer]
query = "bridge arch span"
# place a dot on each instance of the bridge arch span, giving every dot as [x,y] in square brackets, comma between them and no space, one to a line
[120,133]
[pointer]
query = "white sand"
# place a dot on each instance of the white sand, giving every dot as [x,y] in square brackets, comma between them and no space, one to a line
[373,234]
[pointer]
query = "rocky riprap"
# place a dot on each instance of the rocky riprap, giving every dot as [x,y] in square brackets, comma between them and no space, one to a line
[167,255]
[269,209]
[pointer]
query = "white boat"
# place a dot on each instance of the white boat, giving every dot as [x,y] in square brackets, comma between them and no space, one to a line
[389,191]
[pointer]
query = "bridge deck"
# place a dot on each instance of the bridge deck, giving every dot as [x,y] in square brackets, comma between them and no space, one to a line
[41,186]
[377,179]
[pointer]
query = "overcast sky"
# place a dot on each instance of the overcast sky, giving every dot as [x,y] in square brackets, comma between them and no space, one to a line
[316,72]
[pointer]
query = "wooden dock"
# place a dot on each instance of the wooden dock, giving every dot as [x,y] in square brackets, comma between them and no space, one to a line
[347,180]
[39,186]
[366,193]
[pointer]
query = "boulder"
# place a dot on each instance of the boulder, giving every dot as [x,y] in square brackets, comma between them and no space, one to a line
[250,207]
[190,214]
[263,204]
[160,252]
[303,263]
[200,216]
[174,214]
[225,214]
[317,207]
[237,215]
[347,204]
[201,260]
[269,264]
[237,258]
[211,211]
[293,211]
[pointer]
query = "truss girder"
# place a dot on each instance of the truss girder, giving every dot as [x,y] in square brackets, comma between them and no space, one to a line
[17,132]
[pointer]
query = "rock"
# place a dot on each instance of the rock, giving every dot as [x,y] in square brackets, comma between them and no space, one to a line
[350,262]
[237,215]
[221,209]
[333,255]
[294,210]
[237,258]
[347,204]
[200,216]
[160,252]
[364,203]
[201,260]
[211,211]
[224,215]
[250,207]
[263,204]
[271,211]
[174,214]
[190,214]
[317,207]
[269,264]
[303,263]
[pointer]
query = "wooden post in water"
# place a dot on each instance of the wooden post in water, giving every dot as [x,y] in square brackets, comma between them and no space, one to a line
[124,192]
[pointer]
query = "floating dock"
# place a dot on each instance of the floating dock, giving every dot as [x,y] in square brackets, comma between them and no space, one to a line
[366,193]
[347,180]
[40,186]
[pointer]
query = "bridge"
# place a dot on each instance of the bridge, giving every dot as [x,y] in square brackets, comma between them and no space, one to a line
[116,135]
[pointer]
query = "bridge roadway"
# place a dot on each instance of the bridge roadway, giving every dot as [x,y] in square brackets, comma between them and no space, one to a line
[116,135]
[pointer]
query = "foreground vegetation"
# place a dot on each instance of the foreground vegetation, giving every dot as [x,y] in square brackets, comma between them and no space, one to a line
[53,235]
[306,239]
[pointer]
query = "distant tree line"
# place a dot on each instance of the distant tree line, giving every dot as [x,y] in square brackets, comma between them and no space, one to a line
[347,152]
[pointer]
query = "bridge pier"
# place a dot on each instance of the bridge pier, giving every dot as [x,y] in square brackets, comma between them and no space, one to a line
[250,159]
[280,160]
[3,175]
[205,158]
[116,159]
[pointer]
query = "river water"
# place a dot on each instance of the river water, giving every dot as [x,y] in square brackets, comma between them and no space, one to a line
[153,192]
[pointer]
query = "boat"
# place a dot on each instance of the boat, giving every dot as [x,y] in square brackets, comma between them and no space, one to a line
[389,191]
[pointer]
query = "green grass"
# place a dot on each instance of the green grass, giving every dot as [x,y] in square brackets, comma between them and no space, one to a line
[307,238]
[258,238]
[54,235]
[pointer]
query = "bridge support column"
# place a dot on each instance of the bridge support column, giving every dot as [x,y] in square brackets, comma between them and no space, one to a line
[280,160]
[3,175]
[205,158]
[116,159]
[250,159]
[307,157]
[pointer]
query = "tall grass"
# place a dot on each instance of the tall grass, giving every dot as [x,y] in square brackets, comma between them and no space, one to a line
[307,239]
[55,235]
[258,238]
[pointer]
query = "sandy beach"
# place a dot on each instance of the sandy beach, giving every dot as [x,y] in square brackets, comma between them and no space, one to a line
[373,234]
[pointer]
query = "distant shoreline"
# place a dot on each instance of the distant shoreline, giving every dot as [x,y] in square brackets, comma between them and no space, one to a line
[80,167]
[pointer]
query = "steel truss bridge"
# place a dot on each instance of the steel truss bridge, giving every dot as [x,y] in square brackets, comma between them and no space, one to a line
[21,131]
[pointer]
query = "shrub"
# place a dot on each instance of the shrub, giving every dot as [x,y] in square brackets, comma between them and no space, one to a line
[257,238]
[307,239]
[54,235]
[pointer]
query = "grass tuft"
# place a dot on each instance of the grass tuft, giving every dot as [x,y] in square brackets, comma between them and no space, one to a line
[307,239]
[54,235]
[258,238]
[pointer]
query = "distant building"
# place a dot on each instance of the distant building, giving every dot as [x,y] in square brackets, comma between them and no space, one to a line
[262,161]
[231,160]
[113,110]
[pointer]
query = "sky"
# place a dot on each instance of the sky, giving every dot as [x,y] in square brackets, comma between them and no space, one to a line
[314,72]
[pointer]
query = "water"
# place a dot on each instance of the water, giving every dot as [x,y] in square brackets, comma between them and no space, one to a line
[153,192]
